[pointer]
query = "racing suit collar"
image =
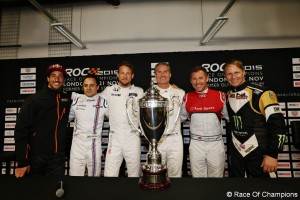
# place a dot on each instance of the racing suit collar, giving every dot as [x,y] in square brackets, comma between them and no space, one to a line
[93,97]
[163,89]
[52,90]
[241,87]
[203,92]
[119,87]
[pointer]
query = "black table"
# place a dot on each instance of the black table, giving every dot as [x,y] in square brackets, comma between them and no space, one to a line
[85,188]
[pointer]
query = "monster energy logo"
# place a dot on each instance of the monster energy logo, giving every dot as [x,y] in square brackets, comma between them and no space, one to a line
[238,122]
[281,140]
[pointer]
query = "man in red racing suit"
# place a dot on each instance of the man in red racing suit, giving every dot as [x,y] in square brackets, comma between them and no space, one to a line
[205,107]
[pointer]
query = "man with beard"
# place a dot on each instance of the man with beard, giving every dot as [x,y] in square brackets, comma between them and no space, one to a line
[40,133]
[124,140]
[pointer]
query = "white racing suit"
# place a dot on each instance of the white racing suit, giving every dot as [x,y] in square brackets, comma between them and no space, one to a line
[124,140]
[171,145]
[86,151]
[206,150]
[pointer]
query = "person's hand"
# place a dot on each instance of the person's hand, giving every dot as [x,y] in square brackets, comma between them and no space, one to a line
[20,172]
[269,164]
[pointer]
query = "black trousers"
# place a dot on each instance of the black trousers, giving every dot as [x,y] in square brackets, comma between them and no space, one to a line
[49,165]
[250,165]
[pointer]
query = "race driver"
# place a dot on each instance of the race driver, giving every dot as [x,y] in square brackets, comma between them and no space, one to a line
[205,107]
[124,140]
[41,126]
[257,125]
[170,145]
[88,110]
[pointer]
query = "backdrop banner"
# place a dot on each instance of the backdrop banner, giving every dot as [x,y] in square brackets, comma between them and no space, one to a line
[279,69]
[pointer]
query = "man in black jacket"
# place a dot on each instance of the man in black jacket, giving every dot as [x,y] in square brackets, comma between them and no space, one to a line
[41,128]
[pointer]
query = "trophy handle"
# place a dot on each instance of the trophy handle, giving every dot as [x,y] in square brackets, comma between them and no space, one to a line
[172,97]
[135,110]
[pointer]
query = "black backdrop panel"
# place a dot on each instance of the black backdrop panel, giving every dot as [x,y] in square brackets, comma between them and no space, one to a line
[274,68]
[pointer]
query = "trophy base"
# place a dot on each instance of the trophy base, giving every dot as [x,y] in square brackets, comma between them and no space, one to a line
[154,181]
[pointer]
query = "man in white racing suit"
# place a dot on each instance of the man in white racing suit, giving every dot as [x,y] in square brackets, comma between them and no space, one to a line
[205,107]
[124,140]
[170,145]
[88,110]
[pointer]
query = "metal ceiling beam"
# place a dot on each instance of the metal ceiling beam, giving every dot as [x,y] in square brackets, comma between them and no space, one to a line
[217,24]
[55,23]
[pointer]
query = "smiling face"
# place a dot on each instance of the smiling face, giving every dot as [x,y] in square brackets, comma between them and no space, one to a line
[56,80]
[125,76]
[90,87]
[199,80]
[162,75]
[234,75]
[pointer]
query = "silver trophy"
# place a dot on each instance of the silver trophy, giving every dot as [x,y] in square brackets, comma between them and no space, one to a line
[153,111]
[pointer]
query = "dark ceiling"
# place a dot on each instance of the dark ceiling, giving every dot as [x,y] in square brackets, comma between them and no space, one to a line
[16,3]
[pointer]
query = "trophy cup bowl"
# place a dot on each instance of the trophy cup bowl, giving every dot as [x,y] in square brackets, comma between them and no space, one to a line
[153,119]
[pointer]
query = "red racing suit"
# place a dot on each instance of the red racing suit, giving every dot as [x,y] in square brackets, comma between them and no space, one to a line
[205,110]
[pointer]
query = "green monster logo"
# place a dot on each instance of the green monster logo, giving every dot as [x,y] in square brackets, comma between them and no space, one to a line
[281,139]
[238,122]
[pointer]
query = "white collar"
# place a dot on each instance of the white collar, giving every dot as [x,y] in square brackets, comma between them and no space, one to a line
[203,92]
[164,89]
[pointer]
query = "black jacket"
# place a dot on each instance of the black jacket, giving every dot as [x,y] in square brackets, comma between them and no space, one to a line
[41,125]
